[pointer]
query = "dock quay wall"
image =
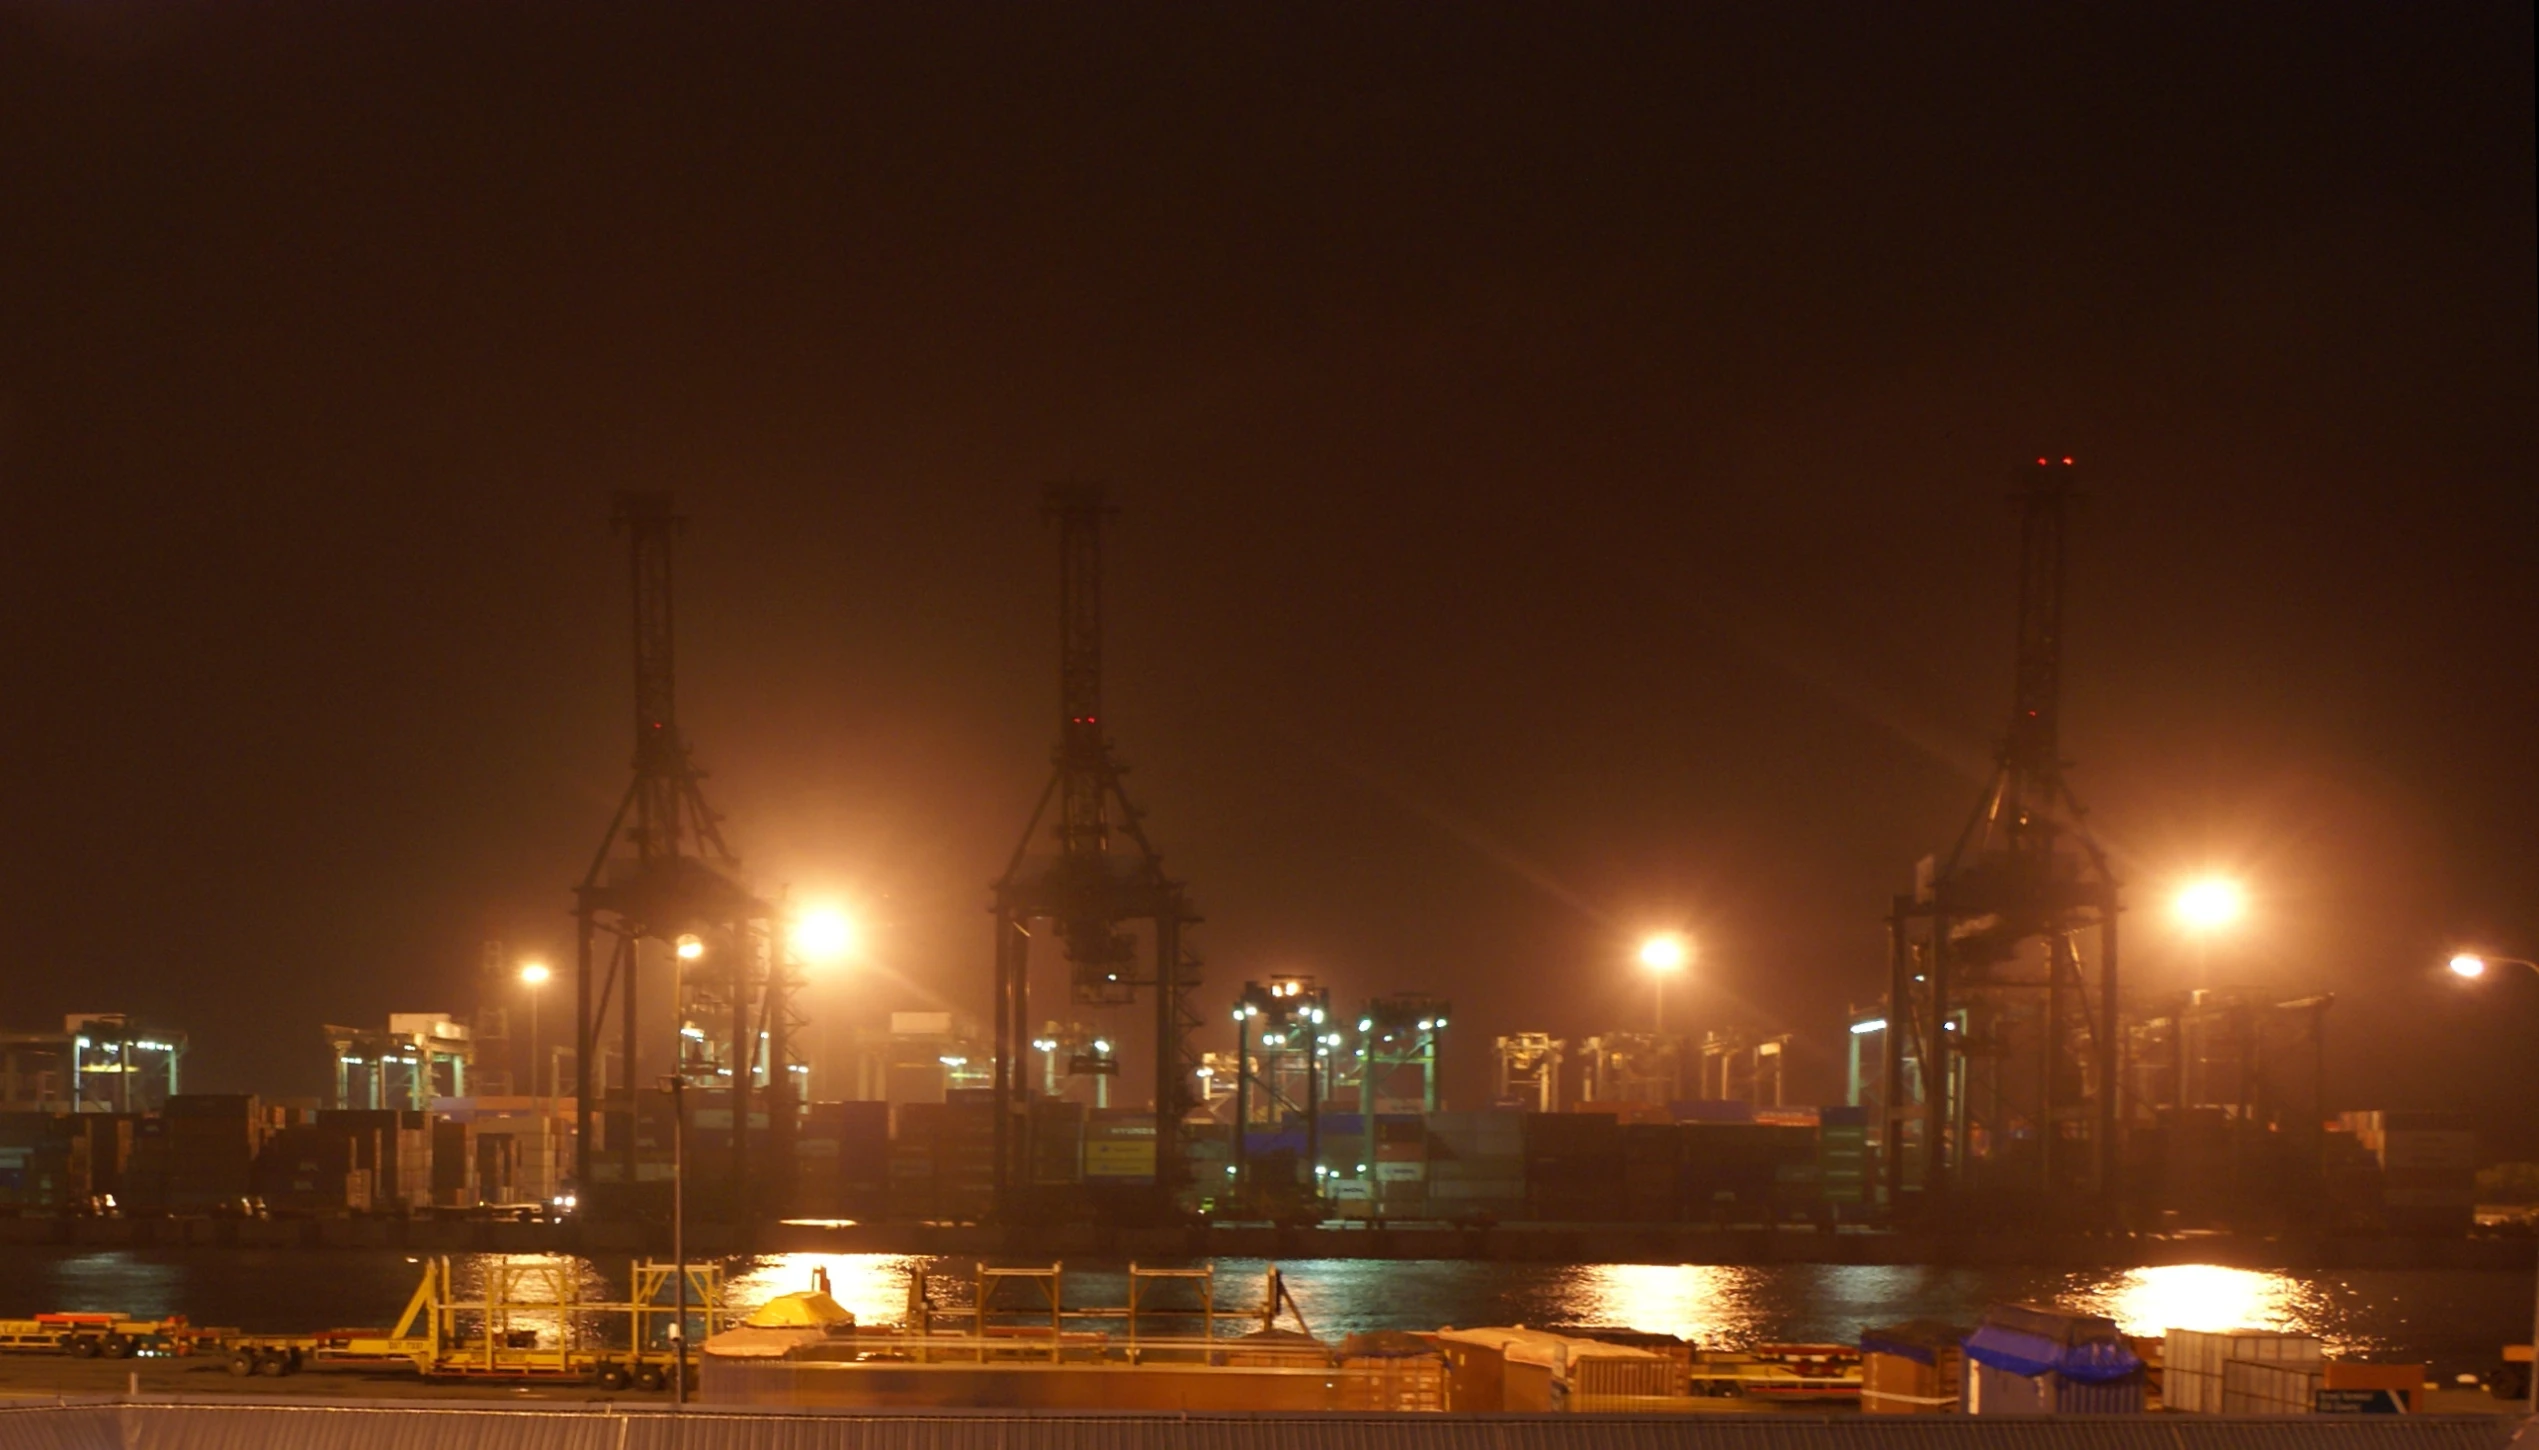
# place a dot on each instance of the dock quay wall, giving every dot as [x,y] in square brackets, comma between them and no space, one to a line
[147,1425]
[1519,1243]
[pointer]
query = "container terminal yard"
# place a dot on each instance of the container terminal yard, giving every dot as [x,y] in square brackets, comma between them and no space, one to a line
[2006,1101]
[2004,1088]
[1313,726]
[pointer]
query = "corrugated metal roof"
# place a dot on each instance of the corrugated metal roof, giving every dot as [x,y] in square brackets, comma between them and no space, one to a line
[36,1426]
[267,1425]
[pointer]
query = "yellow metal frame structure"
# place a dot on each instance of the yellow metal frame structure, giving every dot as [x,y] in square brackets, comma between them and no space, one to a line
[1046,1337]
[530,1322]
[481,1336]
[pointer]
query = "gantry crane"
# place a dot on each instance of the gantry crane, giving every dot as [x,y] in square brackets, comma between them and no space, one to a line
[664,875]
[1993,1017]
[1105,874]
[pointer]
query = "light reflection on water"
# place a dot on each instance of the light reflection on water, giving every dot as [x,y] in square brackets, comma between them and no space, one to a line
[1705,1303]
[2154,1301]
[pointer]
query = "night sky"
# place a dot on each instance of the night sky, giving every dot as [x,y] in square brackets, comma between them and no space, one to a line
[1565,455]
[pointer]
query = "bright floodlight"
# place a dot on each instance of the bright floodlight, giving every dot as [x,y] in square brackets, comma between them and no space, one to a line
[2469,964]
[1664,953]
[691,948]
[2211,903]
[824,935]
[534,973]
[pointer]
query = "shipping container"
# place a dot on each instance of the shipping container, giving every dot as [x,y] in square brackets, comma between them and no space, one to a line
[2191,1362]
[453,1164]
[1913,1368]
[1057,1142]
[2033,1359]
[2270,1387]
[1842,1155]
[1119,1147]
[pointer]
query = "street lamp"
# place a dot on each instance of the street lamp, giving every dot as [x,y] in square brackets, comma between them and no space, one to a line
[2470,966]
[1664,955]
[533,975]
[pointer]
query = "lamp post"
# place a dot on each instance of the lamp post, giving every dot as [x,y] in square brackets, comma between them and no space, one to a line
[677,1086]
[2206,907]
[1664,955]
[2469,967]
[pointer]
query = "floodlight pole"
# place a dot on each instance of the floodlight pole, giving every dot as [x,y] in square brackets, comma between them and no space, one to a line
[677,1086]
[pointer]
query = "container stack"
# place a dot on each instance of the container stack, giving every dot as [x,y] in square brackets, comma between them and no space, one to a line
[395,1145]
[1842,1157]
[1727,1170]
[911,1195]
[1652,1173]
[2193,1363]
[453,1163]
[211,1140]
[1573,1166]
[108,1140]
[44,1166]
[1057,1142]
[965,1160]
[312,1172]
[1519,1370]
[842,1157]
[1476,1165]
[1400,1165]
[2428,1168]
[1390,1372]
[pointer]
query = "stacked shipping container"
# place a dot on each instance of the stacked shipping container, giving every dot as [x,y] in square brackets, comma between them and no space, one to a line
[1476,1165]
[2193,1362]
[1573,1166]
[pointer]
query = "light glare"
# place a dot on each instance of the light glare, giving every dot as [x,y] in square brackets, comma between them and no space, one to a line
[1664,953]
[2469,964]
[2211,903]
[534,973]
[824,935]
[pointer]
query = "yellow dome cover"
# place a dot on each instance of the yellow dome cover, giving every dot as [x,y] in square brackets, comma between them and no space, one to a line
[808,1309]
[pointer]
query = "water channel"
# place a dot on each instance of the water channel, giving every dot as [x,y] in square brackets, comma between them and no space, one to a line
[2453,1320]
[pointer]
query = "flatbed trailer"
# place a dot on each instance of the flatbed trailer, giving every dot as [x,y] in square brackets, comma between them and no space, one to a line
[439,1336]
[1779,1372]
[103,1335]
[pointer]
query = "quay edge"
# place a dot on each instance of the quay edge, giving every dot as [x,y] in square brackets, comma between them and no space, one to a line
[1519,1243]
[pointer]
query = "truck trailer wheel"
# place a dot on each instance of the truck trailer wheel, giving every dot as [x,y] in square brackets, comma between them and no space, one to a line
[242,1362]
[84,1347]
[650,1379]
[612,1377]
[273,1364]
[115,1346]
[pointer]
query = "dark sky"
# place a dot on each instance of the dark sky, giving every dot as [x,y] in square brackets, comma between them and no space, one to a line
[1565,451]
